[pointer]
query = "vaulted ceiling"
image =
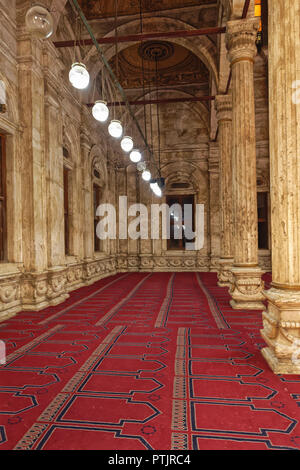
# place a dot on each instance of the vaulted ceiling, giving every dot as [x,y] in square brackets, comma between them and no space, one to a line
[96,9]
[175,65]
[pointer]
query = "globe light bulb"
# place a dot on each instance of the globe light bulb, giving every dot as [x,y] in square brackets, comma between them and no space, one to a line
[141,166]
[115,129]
[127,144]
[146,175]
[79,76]
[100,111]
[39,22]
[135,156]
[156,189]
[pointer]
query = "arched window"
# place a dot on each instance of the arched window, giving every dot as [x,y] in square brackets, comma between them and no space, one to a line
[3,227]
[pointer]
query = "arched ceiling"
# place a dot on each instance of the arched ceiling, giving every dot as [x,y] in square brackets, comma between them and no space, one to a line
[175,64]
[96,9]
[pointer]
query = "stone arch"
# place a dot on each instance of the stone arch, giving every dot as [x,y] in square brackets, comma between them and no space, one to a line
[201,46]
[186,172]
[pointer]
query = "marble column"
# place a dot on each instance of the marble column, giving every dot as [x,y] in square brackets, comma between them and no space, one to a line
[281,320]
[88,234]
[53,161]
[31,107]
[224,115]
[246,288]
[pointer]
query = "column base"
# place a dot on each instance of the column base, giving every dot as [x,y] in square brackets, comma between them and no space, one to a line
[246,288]
[225,278]
[279,366]
[281,331]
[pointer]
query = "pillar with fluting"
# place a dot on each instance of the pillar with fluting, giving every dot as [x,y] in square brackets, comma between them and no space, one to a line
[246,288]
[281,320]
[224,115]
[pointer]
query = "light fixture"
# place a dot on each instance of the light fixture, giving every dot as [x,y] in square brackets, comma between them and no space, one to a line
[39,22]
[157,186]
[146,175]
[135,156]
[100,111]
[127,144]
[156,189]
[115,129]
[258,14]
[79,76]
[141,166]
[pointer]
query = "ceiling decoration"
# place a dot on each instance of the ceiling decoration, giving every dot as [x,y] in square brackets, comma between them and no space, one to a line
[96,9]
[176,65]
[156,50]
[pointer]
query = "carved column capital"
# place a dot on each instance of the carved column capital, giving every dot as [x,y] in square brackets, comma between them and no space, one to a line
[241,39]
[223,104]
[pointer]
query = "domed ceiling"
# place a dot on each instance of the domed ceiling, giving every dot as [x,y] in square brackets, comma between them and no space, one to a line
[175,65]
[96,9]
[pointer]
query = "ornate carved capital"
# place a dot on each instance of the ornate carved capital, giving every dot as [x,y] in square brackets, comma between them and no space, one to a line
[223,105]
[240,39]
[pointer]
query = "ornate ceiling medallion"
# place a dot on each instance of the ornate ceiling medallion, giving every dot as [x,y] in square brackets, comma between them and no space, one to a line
[156,50]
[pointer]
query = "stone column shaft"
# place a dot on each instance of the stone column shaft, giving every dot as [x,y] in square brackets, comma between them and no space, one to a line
[224,115]
[246,289]
[88,233]
[55,215]
[31,106]
[282,318]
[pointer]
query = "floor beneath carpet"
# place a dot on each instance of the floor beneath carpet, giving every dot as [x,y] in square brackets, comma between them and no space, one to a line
[144,361]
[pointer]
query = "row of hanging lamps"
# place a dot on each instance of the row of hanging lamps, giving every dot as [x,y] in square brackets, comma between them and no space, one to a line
[39,22]
[80,79]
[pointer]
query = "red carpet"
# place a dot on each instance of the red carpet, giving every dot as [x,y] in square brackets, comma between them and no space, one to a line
[144,361]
